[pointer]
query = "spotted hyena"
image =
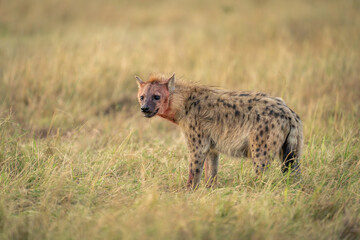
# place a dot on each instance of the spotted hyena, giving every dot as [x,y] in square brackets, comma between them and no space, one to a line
[220,121]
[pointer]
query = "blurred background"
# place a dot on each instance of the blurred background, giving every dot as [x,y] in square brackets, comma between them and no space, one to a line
[62,62]
[78,160]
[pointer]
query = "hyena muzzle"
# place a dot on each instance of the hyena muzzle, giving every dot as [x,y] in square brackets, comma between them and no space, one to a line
[220,121]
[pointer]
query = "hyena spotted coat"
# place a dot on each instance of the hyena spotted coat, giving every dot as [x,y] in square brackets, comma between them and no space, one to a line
[220,121]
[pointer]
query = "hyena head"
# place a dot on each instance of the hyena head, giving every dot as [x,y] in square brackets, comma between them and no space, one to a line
[153,95]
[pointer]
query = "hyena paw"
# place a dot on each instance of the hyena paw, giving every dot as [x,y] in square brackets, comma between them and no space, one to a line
[211,182]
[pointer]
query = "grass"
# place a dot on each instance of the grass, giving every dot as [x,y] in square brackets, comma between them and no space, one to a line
[78,161]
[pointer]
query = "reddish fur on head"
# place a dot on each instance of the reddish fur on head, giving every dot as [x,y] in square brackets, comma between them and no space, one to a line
[154,94]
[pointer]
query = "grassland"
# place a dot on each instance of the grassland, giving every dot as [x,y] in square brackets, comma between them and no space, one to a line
[78,161]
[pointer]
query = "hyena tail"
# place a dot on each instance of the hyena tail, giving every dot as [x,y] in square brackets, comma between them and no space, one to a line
[292,147]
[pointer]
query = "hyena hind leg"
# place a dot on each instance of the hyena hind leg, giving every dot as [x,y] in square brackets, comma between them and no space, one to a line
[211,168]
[260,163]
[260,154]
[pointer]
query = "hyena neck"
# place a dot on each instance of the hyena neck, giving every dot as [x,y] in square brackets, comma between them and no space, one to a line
[175,111]
[169,115]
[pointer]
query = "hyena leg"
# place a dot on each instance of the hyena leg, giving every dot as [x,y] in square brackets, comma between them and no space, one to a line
[260,153]
[199,146]
[211,168]
[196,165]
[260,164]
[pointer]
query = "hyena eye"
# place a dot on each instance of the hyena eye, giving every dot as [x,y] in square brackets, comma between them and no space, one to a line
[156,97]
[142,97]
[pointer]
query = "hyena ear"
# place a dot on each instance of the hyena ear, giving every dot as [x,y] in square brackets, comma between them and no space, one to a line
[171,83]
[139,81]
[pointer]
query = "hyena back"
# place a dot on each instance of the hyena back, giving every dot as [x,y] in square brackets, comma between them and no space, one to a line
[219,121]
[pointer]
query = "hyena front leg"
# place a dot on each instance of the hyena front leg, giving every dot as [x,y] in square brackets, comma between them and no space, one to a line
[199,149]
[211,168]
[195,169]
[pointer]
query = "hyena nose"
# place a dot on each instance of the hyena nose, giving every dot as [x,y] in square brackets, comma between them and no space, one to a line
[144,109]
